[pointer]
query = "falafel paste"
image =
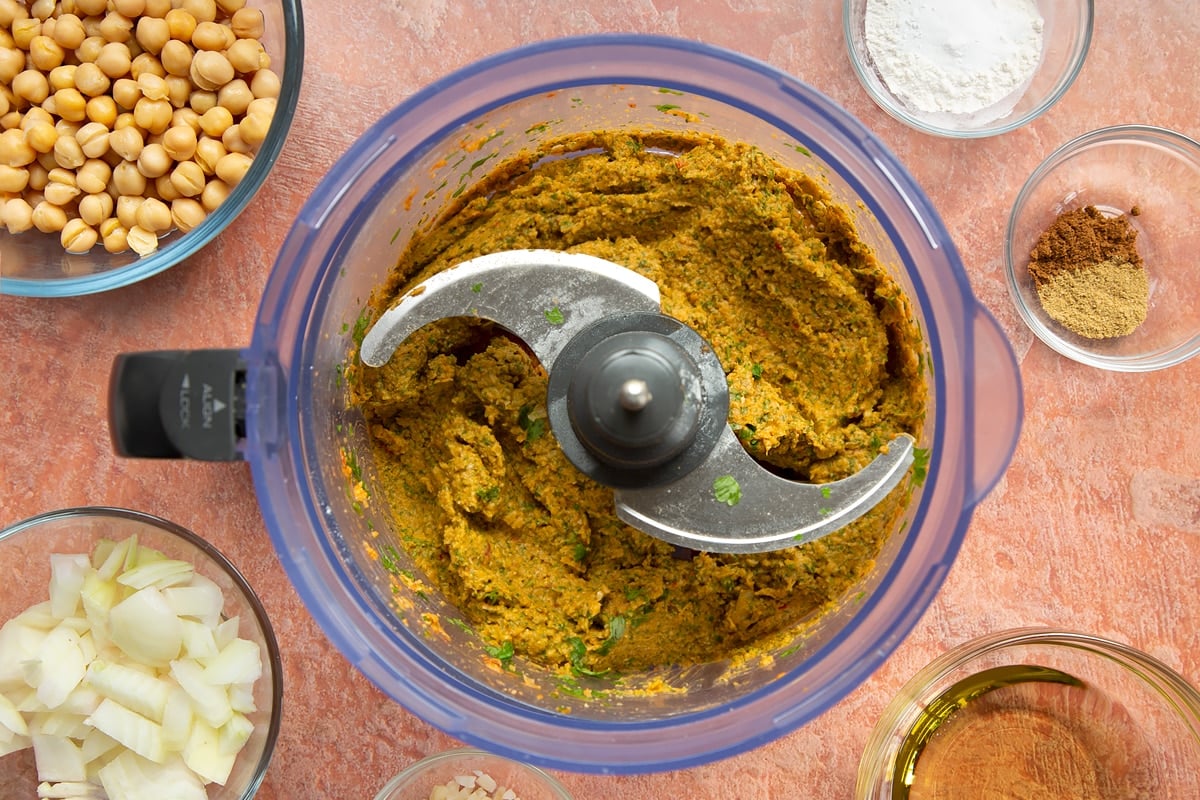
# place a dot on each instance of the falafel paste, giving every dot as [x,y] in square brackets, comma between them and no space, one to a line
[823,363]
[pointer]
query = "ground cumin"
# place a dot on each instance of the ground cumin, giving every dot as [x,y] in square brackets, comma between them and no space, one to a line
[1088,274]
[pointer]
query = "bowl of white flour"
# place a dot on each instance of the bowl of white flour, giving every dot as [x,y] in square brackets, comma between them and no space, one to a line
[967,69]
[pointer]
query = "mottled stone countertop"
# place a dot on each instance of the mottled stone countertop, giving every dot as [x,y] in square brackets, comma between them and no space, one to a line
[1095,526]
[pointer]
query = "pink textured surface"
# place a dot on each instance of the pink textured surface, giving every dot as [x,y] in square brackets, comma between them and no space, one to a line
[1095,526]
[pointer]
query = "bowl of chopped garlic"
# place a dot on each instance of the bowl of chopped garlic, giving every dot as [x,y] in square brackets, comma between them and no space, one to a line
[470,774]
[967,70]
[136,662]
[132,132]
[1100,252]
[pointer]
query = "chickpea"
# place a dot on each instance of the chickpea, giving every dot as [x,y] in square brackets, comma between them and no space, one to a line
[24,30]
[15,179]
[32,86]
[186,117]
[61,77]
[233,167]
[93,176]
[233,141]
[254,128]
[202,101]
[89,51]
[153,116]
[153,87]
[235,96]
[67,151]
[154,215]
[42,9]
[215,192]
[10,120]
[230,6]
[70,105]
[127,143]
[128,180]
[153,161]
[180,143]
[91,80]
[45,53]
[17,215]
[181,23]
[126,93]
[187,213]
[247,23]
[208,36]
[265,83]
[246,55]
[124,120]
[41,136]
[146,63]
[165,190]
[127,208]
[93,139]
[152,33]
[179,91]
[102,109]
[48,217]
[95,208]
[210,70]
[208,152]
[114,60]
[115,240]
[130,8]
[157,8]
[116,27]
[12,61]
[202,10]
[176,58]
[39,176]
[78,237]
[142,241]
[69,32]
[61,194]
[14,150]
[91,8]
[216,121]
[188,179]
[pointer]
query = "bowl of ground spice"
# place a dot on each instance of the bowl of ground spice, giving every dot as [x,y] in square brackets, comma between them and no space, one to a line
[1036,714]
[967,70]
[1100,249]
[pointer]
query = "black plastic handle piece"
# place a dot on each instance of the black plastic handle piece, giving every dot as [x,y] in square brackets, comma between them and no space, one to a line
[178,404]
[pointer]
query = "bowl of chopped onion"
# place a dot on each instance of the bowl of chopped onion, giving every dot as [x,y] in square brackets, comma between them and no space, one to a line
[133,132]
[136,663]
[471,774]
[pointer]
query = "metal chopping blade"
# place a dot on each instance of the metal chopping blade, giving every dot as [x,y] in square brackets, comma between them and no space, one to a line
[638,401]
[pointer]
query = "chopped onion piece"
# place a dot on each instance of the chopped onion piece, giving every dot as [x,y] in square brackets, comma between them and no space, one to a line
[66,579]
[130,728]
[145,628]
[58,758]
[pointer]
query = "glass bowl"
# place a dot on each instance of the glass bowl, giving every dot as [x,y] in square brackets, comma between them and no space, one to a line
[1116,170]
[1066,36]
[1037,712]
[527,782]
[34,264]
[25,550]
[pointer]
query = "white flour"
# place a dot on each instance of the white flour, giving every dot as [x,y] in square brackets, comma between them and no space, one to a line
[959,57]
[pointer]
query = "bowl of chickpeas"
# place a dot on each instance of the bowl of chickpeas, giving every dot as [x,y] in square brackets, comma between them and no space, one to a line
[132,132]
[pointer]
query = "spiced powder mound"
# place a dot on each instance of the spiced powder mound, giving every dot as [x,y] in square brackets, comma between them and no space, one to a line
[1088,273]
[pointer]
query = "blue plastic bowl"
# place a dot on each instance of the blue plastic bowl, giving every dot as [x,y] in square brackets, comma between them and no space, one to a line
[398,177]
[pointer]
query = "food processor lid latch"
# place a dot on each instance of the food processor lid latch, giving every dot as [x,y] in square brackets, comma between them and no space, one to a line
[638,401]
[178,404]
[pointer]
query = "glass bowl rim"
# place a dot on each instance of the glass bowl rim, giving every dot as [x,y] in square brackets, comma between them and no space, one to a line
[448,756]
[1142,134]
[270,642]
[889,104]
[180,248]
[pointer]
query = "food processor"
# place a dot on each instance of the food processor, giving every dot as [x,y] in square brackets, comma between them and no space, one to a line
[281,404]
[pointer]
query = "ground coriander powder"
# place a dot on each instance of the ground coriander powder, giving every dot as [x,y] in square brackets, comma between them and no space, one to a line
[1088,274]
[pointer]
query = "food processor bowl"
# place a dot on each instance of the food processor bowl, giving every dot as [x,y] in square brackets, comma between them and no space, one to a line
[312,468]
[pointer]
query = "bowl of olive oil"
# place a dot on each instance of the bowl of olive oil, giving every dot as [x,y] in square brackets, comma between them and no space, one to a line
[1033,714]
